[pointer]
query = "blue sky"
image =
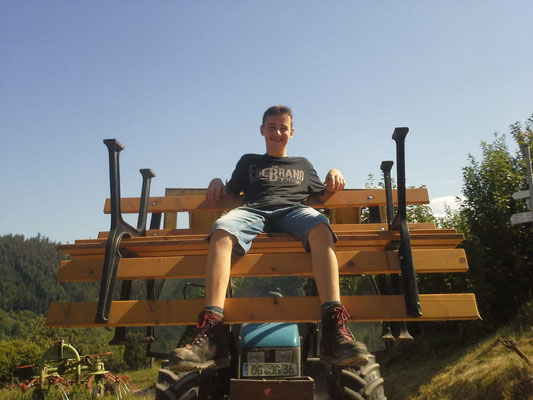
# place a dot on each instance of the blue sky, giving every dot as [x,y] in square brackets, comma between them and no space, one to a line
[183,85]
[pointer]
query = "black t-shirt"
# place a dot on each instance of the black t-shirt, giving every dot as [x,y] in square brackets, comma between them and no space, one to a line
[273,182]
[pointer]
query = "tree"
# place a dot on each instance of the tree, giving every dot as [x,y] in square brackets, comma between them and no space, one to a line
[135,351]
[499,253]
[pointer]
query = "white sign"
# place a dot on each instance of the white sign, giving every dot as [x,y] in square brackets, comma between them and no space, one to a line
[522,218]
[522,195]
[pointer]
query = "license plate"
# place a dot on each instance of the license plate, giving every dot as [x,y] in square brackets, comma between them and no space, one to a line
[269,369]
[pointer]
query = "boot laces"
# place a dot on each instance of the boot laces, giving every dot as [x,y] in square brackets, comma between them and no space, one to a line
[340,315]
[206,321]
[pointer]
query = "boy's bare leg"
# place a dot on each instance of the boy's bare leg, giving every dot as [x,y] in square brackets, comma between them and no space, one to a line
[209,348]
[218,266]
[324,261]
[337,344]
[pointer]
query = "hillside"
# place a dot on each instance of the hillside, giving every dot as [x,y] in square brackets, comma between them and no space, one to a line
[28,268]
[448,369]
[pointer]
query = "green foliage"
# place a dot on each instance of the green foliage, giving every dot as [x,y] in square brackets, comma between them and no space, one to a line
[420,213]
[16,325]
[13,354]
[452,219]
[499,253]
[135,351]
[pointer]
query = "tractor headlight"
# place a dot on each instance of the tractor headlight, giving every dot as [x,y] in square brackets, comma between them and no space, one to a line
[255,357]
[284,356]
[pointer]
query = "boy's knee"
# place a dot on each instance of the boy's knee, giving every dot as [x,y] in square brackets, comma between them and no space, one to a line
[320,234]
[220,235]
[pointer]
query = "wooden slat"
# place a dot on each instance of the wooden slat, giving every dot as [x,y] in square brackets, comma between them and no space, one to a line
[175,245]
[343,233]
[335,227]
[343,199]
[288,264]
[435,307]
[345,215]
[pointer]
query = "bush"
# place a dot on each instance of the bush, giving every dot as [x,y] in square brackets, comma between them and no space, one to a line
[135,351]
[13,354]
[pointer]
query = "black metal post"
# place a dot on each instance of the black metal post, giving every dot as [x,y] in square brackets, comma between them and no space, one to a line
[147,175]
[386,167]
[412,301]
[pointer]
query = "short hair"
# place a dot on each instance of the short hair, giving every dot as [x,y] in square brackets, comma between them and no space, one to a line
[277,110]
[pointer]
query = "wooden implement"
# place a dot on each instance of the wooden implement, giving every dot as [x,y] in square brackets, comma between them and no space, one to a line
[435,307]
[196,202]
[271,264]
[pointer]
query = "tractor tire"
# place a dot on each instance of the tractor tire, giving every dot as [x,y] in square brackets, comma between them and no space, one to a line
[171,386]
[189,386]
[363,383]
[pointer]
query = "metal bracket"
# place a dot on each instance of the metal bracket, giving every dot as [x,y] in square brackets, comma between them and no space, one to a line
[386,167]
[119,229]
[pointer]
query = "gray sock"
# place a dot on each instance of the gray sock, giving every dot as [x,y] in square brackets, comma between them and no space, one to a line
[215,310]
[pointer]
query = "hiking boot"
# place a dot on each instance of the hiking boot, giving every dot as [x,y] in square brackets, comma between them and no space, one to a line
[207,350]
[337,345]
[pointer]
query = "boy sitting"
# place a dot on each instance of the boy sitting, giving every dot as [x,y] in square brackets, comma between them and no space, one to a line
[276,188]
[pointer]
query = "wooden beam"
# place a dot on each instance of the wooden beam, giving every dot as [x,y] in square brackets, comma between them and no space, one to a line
[195,202]
[194,244]
[337,228]
[287,264]
[435,307]
[282,239]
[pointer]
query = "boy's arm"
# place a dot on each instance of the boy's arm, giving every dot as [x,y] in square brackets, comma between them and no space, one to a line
[215,191]
[334,181]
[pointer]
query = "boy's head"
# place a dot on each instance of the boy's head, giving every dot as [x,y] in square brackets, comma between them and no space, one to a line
[277,130]
[277,110]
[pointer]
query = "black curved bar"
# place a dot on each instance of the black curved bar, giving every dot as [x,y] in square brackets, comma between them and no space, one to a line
[412,301]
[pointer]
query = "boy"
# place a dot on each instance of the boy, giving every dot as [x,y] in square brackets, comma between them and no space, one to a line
[276,188]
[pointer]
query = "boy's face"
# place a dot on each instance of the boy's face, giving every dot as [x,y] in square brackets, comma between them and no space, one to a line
[277,131]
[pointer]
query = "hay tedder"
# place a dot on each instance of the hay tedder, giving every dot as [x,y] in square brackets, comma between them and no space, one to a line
[61,367]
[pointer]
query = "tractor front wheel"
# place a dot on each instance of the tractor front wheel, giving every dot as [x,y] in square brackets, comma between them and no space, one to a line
[171,386]
[363,383]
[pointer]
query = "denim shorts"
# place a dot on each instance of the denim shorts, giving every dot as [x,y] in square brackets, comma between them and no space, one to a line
[246,223]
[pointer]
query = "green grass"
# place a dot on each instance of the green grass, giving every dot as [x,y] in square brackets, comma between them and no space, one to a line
[484,371]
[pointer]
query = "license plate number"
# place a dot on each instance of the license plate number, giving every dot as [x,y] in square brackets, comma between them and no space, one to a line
[269,369]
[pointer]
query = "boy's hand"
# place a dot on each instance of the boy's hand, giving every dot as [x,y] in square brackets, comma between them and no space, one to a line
[334,181]
[216,190]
